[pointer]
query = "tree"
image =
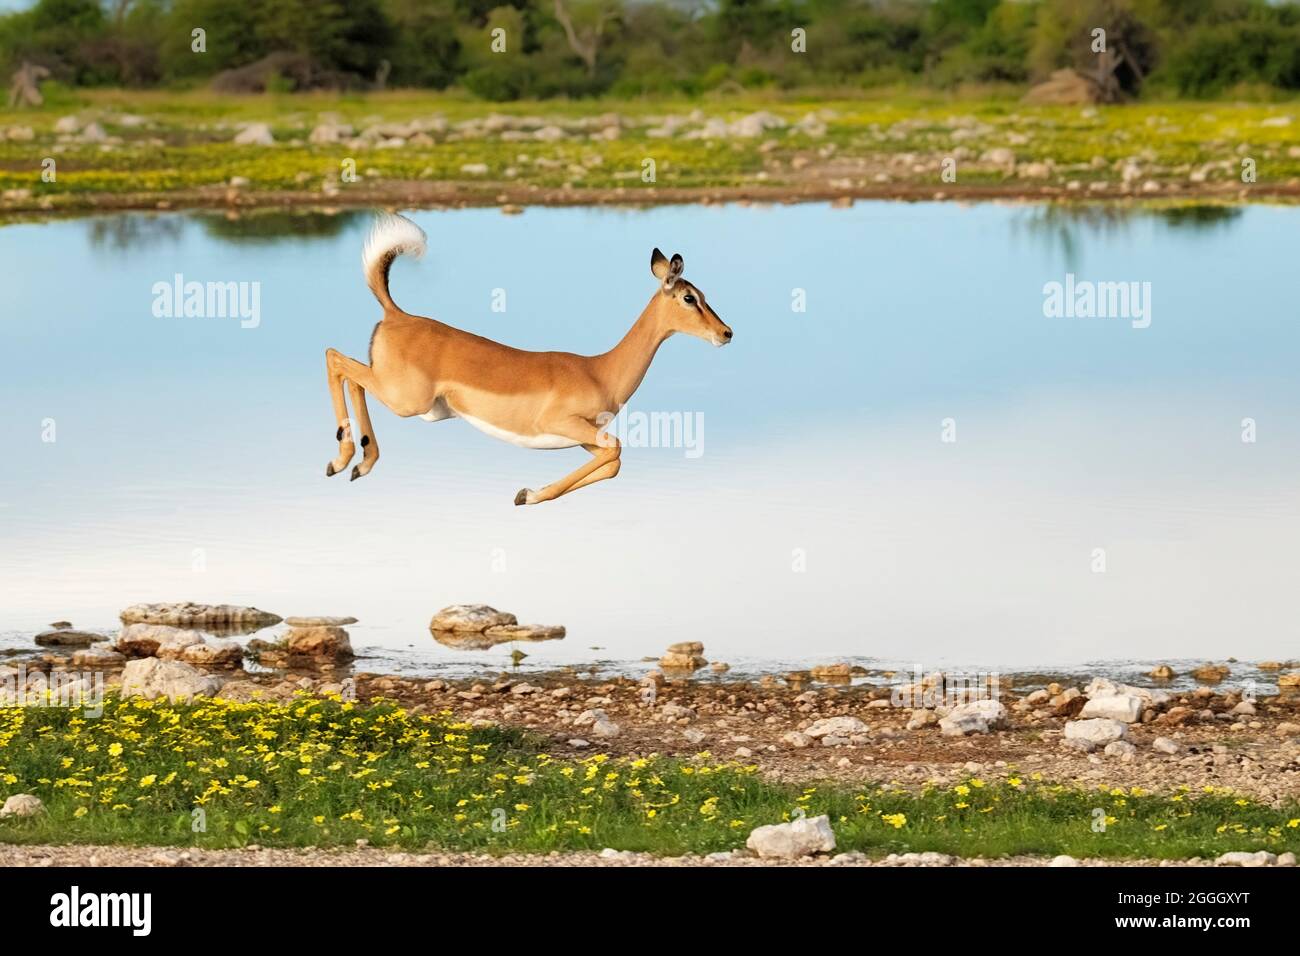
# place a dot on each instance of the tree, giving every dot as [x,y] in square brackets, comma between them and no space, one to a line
[584,25]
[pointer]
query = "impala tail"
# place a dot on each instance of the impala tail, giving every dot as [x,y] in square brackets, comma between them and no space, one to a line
[391,236]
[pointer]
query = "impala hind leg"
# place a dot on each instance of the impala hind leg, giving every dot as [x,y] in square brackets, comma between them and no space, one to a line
[344,434]
[359,378]
[604,464]
[369,444]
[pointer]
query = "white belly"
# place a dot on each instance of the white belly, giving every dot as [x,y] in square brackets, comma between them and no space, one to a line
[442,411]
[524,441]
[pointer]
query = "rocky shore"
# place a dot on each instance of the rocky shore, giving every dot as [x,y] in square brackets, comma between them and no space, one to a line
[827,723]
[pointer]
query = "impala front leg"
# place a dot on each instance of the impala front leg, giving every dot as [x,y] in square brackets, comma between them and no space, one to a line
[605,451]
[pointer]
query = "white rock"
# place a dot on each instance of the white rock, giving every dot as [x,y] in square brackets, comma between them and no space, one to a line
[1097,731]
[172,641]
[150,678]
[1120,748]
[605,728]
[836,727]
[103,654]
[790,841]
[1115,707]
[921,719]
[22,805]
[1166,746]
[1243,858]
[254,134]
[469,617]
[975,717]
[797,740]
[672,711]
[1063,860]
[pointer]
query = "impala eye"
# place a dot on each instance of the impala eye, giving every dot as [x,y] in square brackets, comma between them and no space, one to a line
[688,299]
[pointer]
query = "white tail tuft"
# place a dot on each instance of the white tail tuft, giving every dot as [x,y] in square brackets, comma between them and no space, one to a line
[390,237]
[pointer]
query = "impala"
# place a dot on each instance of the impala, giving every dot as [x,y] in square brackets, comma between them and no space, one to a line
[421,367]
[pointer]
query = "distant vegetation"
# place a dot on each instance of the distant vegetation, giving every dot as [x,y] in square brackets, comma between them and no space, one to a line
[636,47]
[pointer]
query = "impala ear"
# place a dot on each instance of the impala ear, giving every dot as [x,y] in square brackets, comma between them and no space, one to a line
[675,266]
[658,264]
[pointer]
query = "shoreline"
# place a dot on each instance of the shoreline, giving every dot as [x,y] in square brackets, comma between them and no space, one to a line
[1221,739]
[513,198]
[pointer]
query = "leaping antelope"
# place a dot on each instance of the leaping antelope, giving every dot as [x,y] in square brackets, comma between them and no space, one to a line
[422,367]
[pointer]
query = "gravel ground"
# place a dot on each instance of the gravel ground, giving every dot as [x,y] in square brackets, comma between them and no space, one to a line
[45,856]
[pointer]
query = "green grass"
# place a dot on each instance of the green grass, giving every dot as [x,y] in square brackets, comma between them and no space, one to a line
[187,144]
[316,772]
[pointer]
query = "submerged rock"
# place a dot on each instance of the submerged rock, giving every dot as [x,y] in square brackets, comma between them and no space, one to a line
[470,617]
[319,621]
[526,632]
[1211,673]
[327,643]
[66,637]
[684,655]
[206,616]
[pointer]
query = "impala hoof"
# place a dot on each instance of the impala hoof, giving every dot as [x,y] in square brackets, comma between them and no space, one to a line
[330,471]
[522,497]
[356,473]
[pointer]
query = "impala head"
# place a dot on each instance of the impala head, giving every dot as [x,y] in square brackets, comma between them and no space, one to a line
[682,306]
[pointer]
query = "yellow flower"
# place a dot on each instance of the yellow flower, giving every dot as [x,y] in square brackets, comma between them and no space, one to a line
[896,820]
[115,750]
[80,812]
[147,781]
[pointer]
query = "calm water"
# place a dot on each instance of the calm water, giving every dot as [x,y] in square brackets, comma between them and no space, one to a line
[818,515]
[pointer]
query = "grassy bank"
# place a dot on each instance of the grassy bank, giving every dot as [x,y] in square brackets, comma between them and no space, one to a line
[315,772]
[178,148]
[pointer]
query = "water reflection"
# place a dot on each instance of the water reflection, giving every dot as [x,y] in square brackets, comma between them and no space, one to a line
[826,521]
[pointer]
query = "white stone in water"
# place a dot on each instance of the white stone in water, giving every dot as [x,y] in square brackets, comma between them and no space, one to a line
[790,841]
[470,617]
[319,621]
